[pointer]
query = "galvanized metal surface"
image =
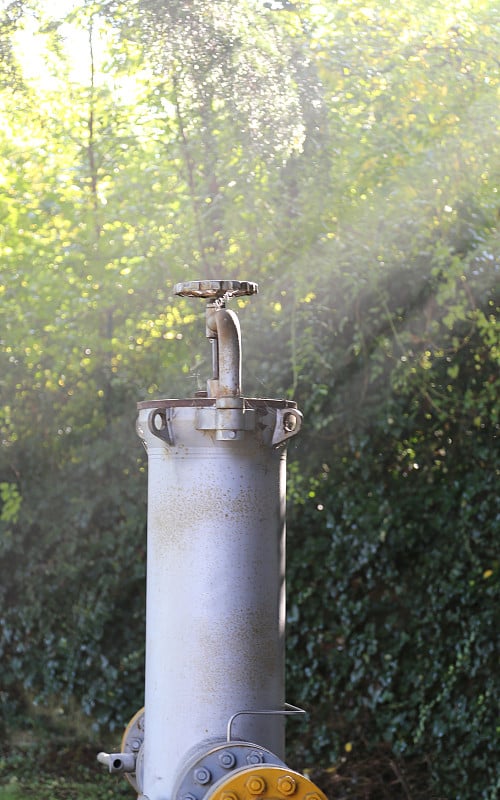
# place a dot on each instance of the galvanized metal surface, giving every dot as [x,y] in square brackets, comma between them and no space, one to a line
[215,617]
[215,589]
[274,421]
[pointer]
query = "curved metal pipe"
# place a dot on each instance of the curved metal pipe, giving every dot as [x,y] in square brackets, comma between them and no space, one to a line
[223,325]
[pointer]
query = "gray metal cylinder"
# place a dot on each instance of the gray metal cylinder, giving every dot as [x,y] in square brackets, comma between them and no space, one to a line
[215,617]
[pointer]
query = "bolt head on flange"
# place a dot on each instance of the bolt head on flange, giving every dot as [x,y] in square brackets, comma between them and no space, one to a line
[255,757]
[287,785]
[227,760]
[202,776]
[255,785]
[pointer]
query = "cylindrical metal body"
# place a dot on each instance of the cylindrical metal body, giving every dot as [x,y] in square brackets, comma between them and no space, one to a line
[215,614]
[212,727]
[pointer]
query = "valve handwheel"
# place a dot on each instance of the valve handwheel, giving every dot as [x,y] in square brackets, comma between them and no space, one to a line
[215,288]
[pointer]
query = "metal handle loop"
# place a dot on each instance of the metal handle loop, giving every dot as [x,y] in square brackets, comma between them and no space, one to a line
[287,709]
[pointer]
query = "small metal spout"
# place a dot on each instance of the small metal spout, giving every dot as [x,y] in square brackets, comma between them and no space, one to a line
[117,762]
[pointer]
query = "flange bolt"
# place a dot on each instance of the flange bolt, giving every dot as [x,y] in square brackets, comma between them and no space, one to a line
[202,776]
[287,785]
[255,785]
[255,757]
[227,760]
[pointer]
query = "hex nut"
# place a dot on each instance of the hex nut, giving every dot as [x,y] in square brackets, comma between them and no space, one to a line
[287,785]
[227,760]
[202,776]
[255,757]
[255,784]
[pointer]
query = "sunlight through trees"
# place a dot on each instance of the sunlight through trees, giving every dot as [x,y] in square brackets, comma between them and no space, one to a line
[345,155]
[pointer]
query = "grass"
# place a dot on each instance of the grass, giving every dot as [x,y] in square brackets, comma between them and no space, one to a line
[45,788]
[11,792]
[49,766]
[49,787]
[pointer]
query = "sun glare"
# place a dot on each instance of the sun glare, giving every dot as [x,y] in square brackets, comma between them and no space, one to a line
[75,54]
[44,65]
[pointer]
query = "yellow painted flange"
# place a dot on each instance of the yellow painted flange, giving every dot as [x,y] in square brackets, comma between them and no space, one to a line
[137,723]
[265,782]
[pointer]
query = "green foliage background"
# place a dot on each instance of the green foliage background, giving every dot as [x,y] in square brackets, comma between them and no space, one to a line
[345,155]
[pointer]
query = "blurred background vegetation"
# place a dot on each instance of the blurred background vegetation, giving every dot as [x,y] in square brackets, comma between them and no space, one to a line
[345,155]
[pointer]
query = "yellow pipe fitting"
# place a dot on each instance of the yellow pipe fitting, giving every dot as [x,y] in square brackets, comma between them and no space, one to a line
[265,782]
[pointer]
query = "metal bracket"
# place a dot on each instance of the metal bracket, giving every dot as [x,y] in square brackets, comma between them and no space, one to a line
[288,424]
[229,423]
[287,709]
[160,424]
